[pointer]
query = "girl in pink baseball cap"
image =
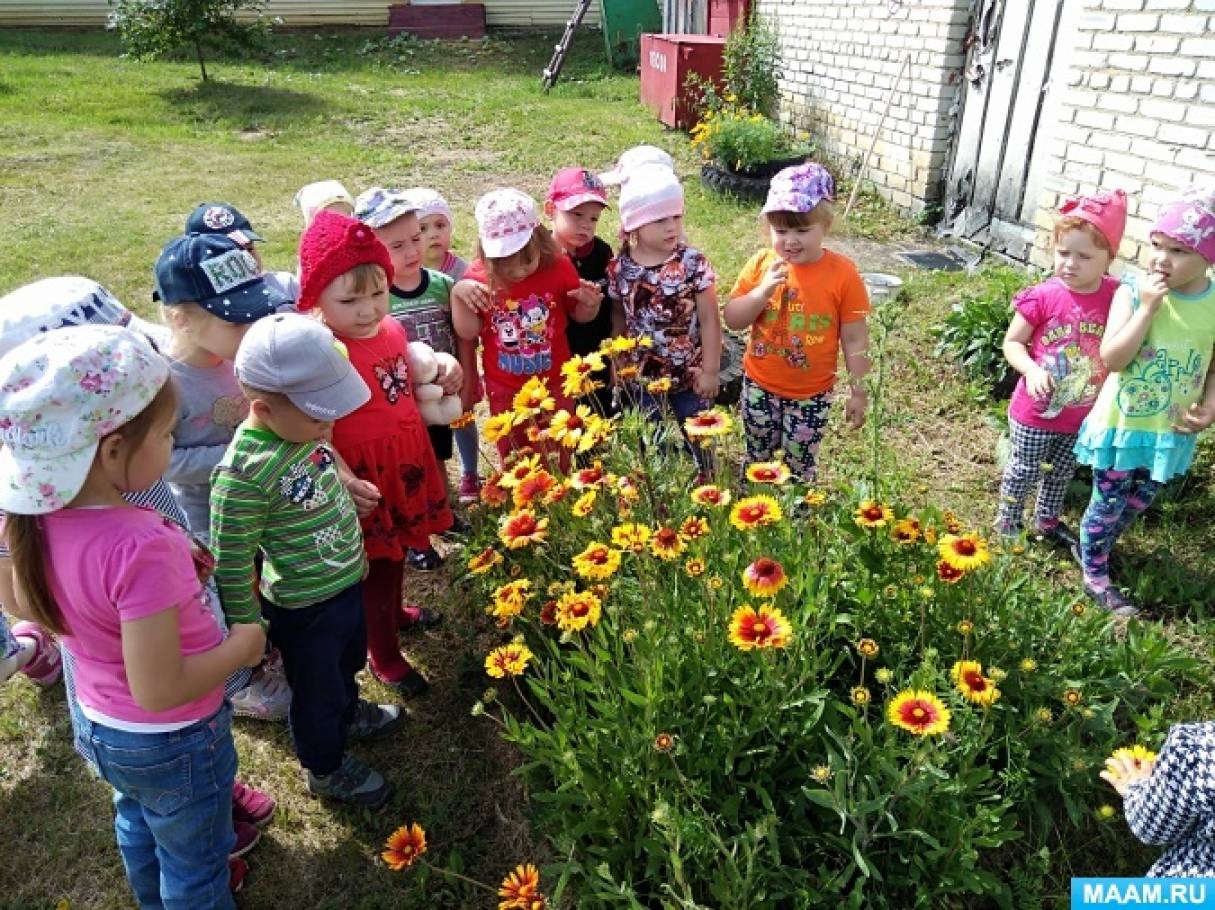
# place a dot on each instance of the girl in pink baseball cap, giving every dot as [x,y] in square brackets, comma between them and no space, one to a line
[1054,342]
[1159,343]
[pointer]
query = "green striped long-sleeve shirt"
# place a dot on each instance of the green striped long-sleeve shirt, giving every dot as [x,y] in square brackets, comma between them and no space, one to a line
[285,499]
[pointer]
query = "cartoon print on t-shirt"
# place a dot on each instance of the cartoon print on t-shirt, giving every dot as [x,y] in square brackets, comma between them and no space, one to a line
[787,328]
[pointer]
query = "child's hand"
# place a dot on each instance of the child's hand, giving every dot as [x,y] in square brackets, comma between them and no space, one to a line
[204,560]
[855,408]
[1152,292]
[1197,417]
[1120,773]
[1039,383]
[450,378]
[589,294]
[705,384]
[777,273]
[472,294]
[250,639]
[366,495]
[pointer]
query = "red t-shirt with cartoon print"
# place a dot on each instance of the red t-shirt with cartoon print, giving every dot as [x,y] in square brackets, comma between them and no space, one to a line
[523,333]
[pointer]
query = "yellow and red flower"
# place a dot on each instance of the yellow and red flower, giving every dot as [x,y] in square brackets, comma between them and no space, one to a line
[948,573]
[907,530]
[764,577]
[533,487]
[918,712]
[533,398]
[583,504]
[873,514]
[484,561]
[578,609]
[624,374]
[695,567]
[975,687]
[510,598]
[630,536]
[766,627]
[659,386]
[713,422]
[620,344]
[626,489]
[964,551]
[814,498]
[548,613]
[493,493]
[499,426]
[1139,756]
[570,429]
[774,472]
[666,543]
[508,660]
[597,561]
[577,375]
[589,477]
[867,648]
[404,846]
[754,512]
[522,528]
[520,890]
[664,742]
[521,469]
[463,420]
[710,495]
[693,528]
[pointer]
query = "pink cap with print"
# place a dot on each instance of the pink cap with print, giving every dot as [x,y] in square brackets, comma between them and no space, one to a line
[1190,221]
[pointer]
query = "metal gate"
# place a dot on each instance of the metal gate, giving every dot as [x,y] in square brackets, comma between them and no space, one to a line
[1008,73]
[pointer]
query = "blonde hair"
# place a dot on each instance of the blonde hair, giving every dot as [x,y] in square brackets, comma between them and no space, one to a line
[23,533]
[1073,223]
[823,213]
[367,276]
[540,245]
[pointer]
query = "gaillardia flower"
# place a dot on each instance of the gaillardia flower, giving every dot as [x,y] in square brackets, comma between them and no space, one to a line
[693,528]
[774,472]
[577,610]
[710,495]
[918,712]
[629,536]
[597,561]
[948,573]
[666,543]
[766,627]
[484,561]
[404,846]
[754,512]
[508,660]
[522,528]
[764,577]
[970,681]
[520,890]
[873,514]
[964,551]
[713,422]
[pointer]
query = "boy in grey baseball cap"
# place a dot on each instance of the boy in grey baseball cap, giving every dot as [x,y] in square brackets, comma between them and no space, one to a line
[278,490]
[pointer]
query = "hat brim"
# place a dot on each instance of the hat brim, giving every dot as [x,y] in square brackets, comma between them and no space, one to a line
[334,402]
[247,303]
[572,202]
[22,483]
[614,177]
[501,247]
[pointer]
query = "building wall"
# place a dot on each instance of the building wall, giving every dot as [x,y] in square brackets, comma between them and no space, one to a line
[840,60]
[1138,113]
[504,13]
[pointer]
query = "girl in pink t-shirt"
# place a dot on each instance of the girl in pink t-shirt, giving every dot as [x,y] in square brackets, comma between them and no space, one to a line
[88,416]
[1054,342]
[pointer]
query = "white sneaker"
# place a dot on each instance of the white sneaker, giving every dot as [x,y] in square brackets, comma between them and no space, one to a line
[267,697]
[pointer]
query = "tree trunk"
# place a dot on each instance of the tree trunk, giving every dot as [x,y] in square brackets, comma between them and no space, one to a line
[201,63]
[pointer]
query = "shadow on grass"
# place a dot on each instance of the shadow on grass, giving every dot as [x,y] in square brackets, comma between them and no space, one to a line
[239,105]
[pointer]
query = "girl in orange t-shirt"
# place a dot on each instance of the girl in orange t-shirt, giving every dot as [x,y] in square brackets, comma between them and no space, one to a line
[802,303]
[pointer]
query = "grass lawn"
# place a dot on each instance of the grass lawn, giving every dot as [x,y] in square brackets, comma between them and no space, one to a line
[100,159]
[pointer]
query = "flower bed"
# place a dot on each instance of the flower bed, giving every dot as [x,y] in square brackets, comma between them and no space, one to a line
[752,694]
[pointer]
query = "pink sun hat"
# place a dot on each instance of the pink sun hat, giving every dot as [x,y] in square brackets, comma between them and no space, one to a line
[1105,210]
[506,219]
[1190,221]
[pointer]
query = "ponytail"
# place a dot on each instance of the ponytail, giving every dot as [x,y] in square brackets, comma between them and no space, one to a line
[24,533]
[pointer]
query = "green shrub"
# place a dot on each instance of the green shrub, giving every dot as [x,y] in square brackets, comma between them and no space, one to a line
[742,141]
[973,332]
[672,768]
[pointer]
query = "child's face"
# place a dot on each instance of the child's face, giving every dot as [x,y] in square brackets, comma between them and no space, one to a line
[577,227]
[1079,262]
[798,245]
[148,463]
[288,422]
[436,238]
[519,266]
[1180,265]
[662,235]
[207,332]
[352,312]
[403,238]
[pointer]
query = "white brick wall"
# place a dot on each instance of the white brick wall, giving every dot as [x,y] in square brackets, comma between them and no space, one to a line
[1140,114]
[840,59]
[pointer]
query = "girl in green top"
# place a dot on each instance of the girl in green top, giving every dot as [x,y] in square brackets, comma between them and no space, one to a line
[1160,394]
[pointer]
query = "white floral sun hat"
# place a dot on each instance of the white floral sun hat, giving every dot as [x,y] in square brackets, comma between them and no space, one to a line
[505,222]
[61,393]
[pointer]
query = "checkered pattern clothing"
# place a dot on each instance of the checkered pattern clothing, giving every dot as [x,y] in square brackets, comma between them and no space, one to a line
[1175,806]
[1037,455]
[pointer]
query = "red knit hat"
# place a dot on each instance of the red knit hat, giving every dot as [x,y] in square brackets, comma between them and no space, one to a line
[332,245]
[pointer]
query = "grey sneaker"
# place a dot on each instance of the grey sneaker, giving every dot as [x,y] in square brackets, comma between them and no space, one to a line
[352,782]
[371,721]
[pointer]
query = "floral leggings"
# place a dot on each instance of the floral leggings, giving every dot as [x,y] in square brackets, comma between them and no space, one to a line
[1118,498]
[793,426]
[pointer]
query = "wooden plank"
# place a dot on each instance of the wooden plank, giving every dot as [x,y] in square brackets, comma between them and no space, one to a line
[1005,74]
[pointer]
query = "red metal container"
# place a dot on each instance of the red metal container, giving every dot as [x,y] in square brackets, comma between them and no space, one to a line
[727,15]
[666,61]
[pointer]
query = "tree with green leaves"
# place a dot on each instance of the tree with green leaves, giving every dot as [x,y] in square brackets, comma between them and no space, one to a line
[152,29]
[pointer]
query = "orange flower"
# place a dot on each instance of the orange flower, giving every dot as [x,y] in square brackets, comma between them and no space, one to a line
[693,528]
[710,495]
[666,543]
[918,712]
[463,420]
[520,890]
[404,846]
[949,574]
[906,530]
[764,577]
[763,628]
[493,493]
[484,561]
[755,511]
[583,504]
[589,477]
[533,487]
[522,528]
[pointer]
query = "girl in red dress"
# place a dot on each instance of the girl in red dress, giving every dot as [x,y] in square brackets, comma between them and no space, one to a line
[345,273]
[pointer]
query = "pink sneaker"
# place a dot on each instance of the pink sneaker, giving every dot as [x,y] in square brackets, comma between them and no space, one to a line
[250,805]
[237,870]
[46,666]
[470,488]
[247,836]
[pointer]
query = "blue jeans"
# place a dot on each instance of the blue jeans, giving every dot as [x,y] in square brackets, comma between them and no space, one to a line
[173,804]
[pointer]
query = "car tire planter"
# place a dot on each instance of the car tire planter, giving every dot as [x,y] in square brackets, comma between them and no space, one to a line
[751,184]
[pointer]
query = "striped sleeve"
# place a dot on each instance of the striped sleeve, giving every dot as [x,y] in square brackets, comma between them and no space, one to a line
[238,516]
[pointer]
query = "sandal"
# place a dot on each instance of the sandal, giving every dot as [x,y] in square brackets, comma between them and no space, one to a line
[424,560]
[46,666]
[1114,601]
